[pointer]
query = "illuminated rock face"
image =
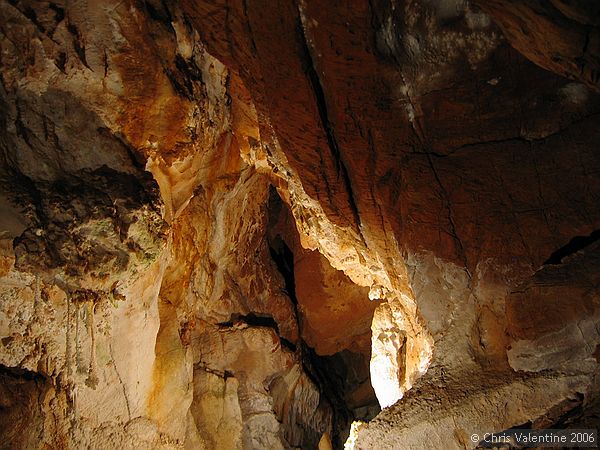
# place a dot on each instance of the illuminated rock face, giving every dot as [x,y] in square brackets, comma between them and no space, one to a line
[248,224]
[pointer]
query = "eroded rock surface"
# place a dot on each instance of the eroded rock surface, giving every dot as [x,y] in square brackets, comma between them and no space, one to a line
[244,224]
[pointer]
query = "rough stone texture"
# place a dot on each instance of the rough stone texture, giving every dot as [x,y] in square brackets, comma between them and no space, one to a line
[561,36]
[231,224]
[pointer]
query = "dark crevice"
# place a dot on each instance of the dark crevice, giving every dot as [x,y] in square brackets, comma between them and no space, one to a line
[575,245]
[188,68]
[31,15]
[321,103]
[22,131]
[21,374]
[224,374]
[572,412]
[331,387]
[59,12]
[61,62]
[252,320]
[180,88]
[29,12]
[249,27]
[158,13]
[180,72]
[335,376]
[283,257]
[105,64]
[189,74]
[77,44]
[184,77]
[351,371]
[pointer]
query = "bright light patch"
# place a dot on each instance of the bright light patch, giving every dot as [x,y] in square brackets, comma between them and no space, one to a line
[354,429]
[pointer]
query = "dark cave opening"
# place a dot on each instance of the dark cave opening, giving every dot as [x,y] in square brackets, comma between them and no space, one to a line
[318,368]
[283,257]
[575,245]
[342,378]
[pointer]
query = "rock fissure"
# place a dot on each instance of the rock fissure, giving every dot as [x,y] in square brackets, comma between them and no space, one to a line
[577,244]
[328,126]
[123,388]
[448,206]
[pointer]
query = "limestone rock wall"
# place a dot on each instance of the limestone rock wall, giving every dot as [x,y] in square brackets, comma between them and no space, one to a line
[231,224]
[132,231]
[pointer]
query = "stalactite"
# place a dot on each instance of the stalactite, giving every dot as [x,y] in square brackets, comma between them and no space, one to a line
[79,364]
[92,379]
[73,412]
[68,356]
[70,386]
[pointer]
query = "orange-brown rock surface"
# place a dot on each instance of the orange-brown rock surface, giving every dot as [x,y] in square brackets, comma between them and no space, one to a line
[234,224]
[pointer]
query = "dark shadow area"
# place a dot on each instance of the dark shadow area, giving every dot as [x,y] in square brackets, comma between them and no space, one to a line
[576,244]
[283,257]
[343,379]
[22,395]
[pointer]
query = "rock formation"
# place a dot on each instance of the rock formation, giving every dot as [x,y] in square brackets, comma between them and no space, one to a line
[233,224]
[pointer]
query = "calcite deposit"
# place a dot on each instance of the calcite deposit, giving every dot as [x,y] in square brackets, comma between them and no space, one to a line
[236,224]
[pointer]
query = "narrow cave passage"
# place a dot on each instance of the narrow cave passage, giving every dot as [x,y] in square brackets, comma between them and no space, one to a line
[340,371]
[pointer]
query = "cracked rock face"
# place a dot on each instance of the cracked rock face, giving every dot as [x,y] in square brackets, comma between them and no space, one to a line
[247,225]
